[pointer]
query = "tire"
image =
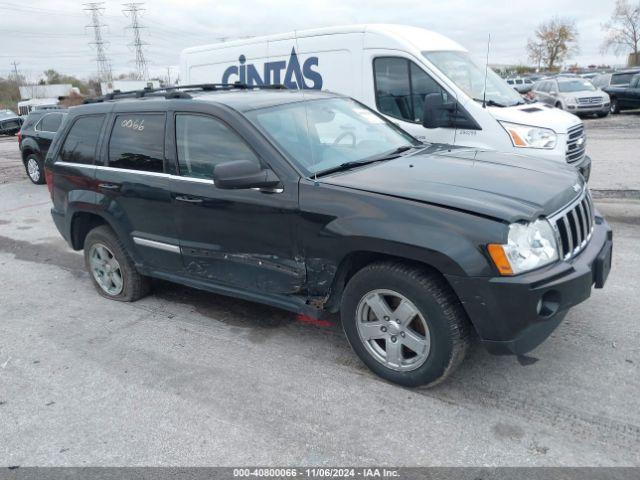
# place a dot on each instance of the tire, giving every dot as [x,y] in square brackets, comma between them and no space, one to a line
[559,105]
[440,320]
[614,107]
[117,280]
[34,167]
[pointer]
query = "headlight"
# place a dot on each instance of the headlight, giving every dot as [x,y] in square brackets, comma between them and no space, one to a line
[526,136]
[529,246]
[571,100]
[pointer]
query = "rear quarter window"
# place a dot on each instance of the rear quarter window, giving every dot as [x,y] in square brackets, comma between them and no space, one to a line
[137,142]
[80,143]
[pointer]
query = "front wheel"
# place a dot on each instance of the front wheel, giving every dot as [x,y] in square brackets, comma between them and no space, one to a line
[35,169]
[112,270]
[405,323]
[614,107]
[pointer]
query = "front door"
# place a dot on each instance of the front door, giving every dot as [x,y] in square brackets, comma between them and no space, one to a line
[234,238]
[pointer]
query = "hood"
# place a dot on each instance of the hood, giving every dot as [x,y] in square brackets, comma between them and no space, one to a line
[504,186]
[538,115]
[585,94]
[7,114]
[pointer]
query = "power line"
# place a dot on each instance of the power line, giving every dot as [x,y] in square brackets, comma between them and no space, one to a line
[132,10]
[104,67]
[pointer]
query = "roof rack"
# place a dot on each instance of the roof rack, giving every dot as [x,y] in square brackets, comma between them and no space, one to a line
[178,91]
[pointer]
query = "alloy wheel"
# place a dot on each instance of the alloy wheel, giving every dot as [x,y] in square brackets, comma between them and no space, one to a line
[33,169]
[106,269]
[393,330]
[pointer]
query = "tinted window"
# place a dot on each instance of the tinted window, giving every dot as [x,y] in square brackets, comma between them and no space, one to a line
[80,144]
[401,87]
[203,142]
[621,78]
[137,142]
[50,123]
[635,81]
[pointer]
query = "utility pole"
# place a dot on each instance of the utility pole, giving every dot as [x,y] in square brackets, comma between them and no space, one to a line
[133,10]
[95,9]
[15,72]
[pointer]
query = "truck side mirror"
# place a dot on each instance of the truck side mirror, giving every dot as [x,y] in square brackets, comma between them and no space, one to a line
[437,113]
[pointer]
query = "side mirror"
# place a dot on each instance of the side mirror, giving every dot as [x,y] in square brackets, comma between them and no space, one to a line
[436,112]
[240,174]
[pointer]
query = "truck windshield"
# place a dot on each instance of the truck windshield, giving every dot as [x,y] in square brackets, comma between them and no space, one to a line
[575,86]
[469,77]
[322,134]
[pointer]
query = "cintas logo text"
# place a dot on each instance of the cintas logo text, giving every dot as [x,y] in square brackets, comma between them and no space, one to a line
[282,72]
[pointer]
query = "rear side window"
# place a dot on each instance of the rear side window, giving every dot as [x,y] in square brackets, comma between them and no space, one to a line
[137,142]
[50,122]
[81,141]
[621,78]
[203,142]
[401,87]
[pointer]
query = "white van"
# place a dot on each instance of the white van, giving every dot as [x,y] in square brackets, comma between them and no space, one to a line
[423,81]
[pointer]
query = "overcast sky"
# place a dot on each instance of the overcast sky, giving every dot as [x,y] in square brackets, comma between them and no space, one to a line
[52,34]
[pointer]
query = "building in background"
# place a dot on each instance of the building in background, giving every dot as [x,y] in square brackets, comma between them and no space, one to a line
[40,96]
[127,85]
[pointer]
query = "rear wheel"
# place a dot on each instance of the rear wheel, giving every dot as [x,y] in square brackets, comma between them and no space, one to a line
[112,270]
[35,169]
[405,323]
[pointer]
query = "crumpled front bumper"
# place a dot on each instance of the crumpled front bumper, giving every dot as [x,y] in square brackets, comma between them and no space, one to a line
[513,315]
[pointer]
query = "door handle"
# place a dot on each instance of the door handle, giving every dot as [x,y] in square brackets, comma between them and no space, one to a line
[109,186]
[184,198]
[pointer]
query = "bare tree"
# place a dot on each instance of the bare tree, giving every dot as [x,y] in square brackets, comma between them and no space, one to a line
[553,42]
[623,30]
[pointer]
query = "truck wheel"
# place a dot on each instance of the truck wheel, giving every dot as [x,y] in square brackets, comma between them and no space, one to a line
[405,323]
[614,107]
[35,169]
[112,270]
[559,105]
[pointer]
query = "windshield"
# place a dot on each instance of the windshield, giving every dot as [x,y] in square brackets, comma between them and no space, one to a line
[575,86]
[469,77]
[319,135]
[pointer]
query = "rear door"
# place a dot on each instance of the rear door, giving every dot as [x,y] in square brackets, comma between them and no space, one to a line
[235,238]
[46,129]
[134,189]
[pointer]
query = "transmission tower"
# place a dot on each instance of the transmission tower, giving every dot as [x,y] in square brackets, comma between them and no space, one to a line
[95,9]
[133,10]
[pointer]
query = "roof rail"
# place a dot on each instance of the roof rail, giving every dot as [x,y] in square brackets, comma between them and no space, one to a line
[178,91]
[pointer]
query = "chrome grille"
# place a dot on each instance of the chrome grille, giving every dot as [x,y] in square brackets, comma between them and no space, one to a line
[574,225]
[590,100]
[576,144]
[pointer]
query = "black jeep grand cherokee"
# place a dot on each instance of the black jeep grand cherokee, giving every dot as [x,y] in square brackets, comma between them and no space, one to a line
[313,203]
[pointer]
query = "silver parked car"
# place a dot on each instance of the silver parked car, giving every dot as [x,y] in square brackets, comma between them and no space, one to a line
[520,85]
[572,94]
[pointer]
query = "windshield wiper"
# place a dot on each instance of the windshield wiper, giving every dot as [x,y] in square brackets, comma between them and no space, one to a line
[358,163]
[490,103]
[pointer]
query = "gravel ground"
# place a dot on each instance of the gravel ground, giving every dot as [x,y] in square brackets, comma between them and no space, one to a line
[185,377]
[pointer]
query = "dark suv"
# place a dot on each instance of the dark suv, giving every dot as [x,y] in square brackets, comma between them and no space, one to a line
[314,203]
[34,140]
